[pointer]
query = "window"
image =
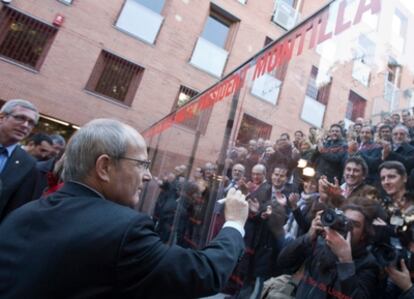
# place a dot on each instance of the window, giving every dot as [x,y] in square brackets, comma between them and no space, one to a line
[141,18]
[252,128]
[366,50]
[291,3]
[316,98]
[392,80]
[24,39]
[68,2]
[318,93]
[115,78]
[267,87]
[399,30]
[212,48]
[394,72]
[154,5]
[356,106]
[184,95]
[364,58]
[216,31]
[198,122]
[285,14]
[243,1]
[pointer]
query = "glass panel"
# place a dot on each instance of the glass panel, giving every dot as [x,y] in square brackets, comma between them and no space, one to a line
[139,21]
[289,2]
[154,5]
[208,57]
[66,1]
[285,15]
[215,32]
[339,66]
[267,88]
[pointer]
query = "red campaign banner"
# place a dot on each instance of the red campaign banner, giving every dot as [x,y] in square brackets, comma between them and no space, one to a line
[278,54]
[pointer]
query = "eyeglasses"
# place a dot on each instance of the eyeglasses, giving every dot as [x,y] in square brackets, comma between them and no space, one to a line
[21,119]
[140,163]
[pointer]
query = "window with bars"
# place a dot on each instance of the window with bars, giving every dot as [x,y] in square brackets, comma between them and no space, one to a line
[199,121]
[318,93]
[115,78]
[184,95]
[24,39]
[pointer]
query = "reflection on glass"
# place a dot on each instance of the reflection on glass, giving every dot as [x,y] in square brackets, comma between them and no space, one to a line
[215,32]
[352,76]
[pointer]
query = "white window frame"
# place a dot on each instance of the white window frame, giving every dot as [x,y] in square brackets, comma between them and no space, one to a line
[139,21]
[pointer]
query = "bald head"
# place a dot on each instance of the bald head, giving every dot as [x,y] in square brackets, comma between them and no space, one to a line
[258,173]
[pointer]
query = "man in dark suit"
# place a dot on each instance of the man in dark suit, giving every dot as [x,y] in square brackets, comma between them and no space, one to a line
[17,168]
[86,241]
[401,150]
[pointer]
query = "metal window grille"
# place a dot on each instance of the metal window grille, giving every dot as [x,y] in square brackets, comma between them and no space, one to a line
[184,95]
[115,77]
[23,38]
[198,122]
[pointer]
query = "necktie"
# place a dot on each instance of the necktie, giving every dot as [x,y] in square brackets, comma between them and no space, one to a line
[3,151]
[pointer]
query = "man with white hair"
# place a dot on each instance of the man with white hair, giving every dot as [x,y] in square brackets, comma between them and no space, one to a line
[401,150]
[17,168]
[86,241]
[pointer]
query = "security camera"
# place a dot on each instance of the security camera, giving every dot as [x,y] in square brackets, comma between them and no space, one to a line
[6,1]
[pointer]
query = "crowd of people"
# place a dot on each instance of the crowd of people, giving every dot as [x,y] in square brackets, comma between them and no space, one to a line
[319,215]
[362,176]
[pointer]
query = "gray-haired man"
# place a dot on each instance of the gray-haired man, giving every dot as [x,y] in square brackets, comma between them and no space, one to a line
[85,240]
[17,168]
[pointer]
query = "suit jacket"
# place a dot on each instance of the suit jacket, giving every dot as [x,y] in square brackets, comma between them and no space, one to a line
[404,154]
[76,244]
[263,193]
[18,181]
[330,160]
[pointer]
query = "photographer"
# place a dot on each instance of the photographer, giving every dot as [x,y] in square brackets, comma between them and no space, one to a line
[394,249]
[402,279]
[334,266]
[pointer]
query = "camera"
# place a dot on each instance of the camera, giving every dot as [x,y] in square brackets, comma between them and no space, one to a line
[336,219]
[389,255]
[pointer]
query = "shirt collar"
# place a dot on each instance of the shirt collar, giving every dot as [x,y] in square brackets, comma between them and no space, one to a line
[10,149]
[89,188]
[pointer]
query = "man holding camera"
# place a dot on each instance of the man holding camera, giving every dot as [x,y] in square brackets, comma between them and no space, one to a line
[336,261]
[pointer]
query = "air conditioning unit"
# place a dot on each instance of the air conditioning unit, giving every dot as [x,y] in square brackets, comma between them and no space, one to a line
[243,1]
[285,15]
